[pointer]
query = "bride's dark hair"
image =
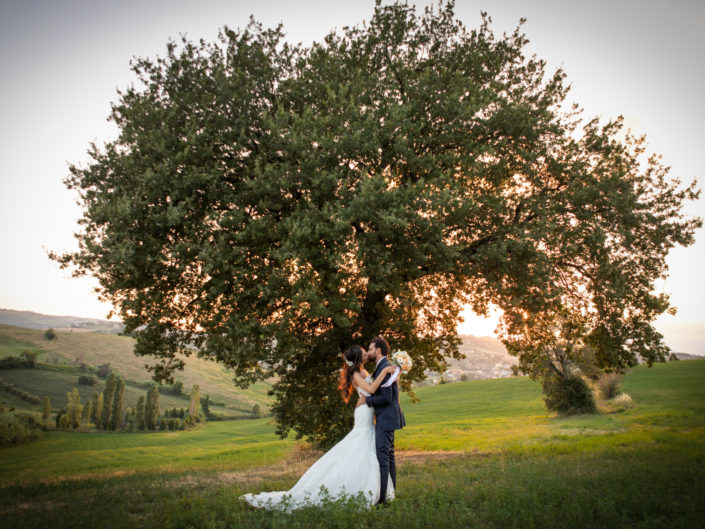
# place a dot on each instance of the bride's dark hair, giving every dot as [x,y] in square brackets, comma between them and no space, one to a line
[353,361]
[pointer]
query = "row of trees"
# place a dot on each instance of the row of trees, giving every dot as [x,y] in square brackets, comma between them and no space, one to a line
[106,410]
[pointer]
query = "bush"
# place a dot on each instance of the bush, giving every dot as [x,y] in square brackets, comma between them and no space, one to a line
[567,395]
[65,422]
[608,385]
[621,402]
[50,334]
[18,429]
[104,370]
[177,388]
[13,362]
[30,358]
[162,424]
[87,380]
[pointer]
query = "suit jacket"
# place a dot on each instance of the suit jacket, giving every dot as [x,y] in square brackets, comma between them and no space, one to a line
[386,402]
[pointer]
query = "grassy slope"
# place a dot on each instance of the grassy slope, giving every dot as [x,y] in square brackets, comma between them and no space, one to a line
[641,468]
[95,349]
[55,386]
[508,414]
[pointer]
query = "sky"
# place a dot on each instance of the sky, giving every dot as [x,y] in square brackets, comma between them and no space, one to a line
[62,63]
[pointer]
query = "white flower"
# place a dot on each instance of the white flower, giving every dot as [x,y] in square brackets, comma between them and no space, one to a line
[403,360]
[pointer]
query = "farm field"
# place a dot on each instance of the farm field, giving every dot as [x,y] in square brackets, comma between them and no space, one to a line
[54,385]
[74,348]
[475,454]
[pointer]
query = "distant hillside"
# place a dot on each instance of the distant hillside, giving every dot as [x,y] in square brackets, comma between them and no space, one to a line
[688,356]
[35,320]
[94,349]
[485,357]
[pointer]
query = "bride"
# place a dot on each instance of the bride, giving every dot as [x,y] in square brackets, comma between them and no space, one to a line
[351,466]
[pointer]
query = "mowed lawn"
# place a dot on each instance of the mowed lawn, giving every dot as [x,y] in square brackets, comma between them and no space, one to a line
[507,463]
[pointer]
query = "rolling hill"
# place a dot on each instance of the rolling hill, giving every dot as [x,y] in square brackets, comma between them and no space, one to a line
[76,348]
[35,320]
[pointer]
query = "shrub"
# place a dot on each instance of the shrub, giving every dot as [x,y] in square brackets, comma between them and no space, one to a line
[87,380]
[17,429]
[49,334]
[162,424]
[621,402]
[13,362]
[177,388]
[30,358]
[608,385]
[104,370]
[567,395]
[65,422]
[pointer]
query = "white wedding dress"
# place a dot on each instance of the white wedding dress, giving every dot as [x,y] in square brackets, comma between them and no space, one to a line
[349,468]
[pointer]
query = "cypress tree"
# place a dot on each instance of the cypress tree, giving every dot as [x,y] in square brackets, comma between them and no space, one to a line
[47,408]
[94,407]
[151,409]
[108,394]
[206,406]
[116,416]
[74,408]
[195,401]
[97,409]
[87,412]
[140,413]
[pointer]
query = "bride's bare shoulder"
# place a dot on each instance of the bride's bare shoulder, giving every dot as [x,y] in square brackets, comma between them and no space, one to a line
[361,373]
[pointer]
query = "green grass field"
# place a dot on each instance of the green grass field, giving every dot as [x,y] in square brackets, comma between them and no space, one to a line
[475,454]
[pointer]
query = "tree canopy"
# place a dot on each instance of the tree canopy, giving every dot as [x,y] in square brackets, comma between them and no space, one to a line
[273,204]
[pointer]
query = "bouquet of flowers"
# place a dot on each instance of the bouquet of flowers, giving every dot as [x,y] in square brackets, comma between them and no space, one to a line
[403,360]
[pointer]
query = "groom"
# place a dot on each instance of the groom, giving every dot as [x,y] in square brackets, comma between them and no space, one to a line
[388,414]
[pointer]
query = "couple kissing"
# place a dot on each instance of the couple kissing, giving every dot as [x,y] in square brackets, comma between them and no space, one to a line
[363,462]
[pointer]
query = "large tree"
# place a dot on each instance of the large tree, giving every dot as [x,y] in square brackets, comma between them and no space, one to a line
[272,204]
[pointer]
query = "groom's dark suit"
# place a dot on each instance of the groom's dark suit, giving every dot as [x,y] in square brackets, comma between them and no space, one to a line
[389,417]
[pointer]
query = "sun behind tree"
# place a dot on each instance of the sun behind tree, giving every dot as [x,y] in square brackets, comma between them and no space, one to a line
[272,204]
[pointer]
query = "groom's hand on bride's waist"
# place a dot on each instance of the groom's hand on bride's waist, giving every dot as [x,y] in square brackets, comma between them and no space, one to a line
[362,400]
